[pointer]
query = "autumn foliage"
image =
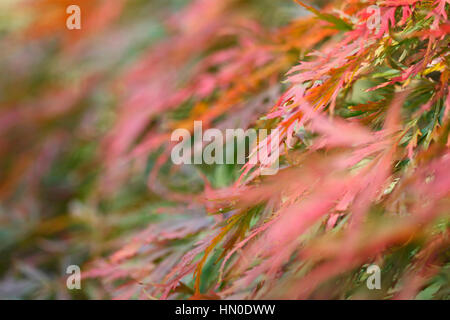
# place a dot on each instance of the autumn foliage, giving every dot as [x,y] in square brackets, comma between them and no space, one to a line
[362,105]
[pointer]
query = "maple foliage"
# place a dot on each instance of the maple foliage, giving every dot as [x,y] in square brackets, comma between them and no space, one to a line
[345,179]
[363,113]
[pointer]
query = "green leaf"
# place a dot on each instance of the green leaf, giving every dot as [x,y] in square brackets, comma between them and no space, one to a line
[337,22]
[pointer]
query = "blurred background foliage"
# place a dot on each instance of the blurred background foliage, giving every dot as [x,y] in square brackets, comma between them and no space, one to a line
[58,98]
